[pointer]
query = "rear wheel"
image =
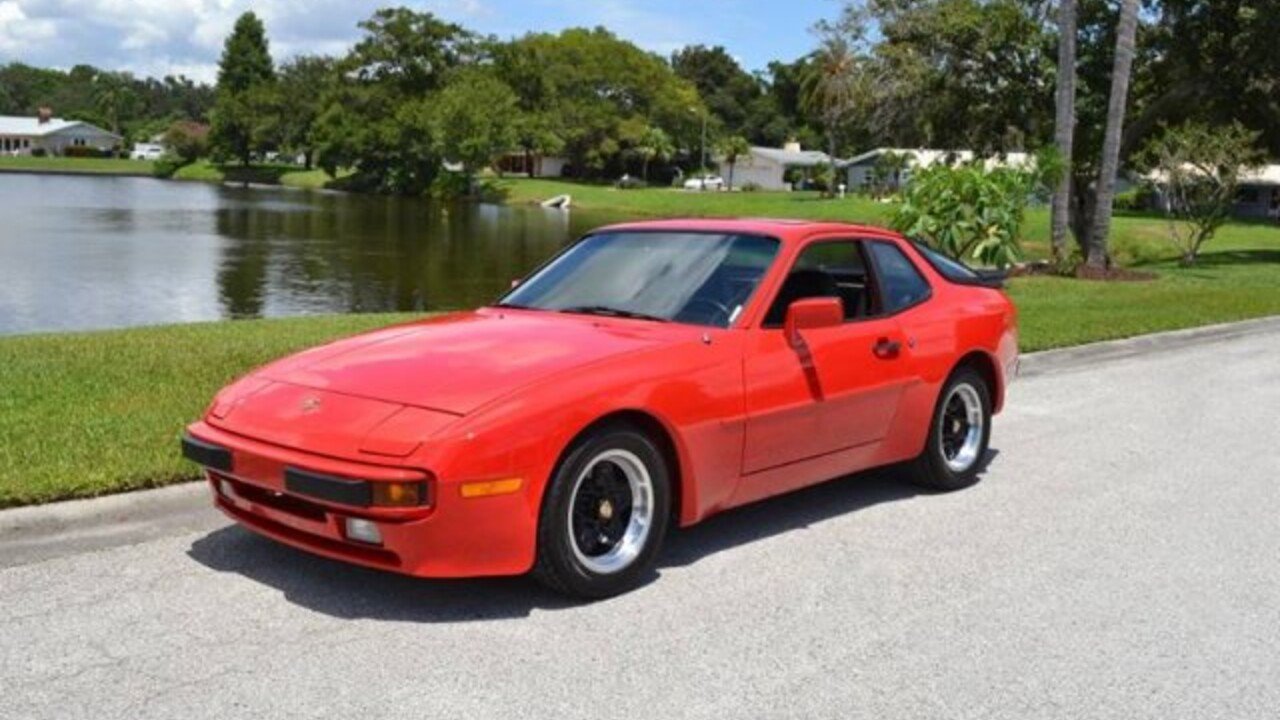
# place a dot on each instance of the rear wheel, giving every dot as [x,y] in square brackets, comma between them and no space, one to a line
[958,435]
[605,514]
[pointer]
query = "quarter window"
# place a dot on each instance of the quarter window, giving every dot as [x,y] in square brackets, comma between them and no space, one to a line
[901,284]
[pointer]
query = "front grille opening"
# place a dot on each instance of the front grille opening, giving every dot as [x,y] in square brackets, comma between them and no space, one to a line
[295,506]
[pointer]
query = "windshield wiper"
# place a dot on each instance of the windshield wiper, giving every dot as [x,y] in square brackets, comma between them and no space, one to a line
[612,312]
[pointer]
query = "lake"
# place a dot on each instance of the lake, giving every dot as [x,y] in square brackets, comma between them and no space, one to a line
[79,253]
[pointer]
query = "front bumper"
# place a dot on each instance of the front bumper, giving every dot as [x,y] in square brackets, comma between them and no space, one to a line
[451,537]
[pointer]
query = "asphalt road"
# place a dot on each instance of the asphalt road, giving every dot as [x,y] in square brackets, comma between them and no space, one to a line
[1119,559]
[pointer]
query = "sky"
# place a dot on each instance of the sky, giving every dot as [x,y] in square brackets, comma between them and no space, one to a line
[159,37]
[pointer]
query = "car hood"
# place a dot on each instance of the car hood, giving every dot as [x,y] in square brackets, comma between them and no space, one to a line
[457,363]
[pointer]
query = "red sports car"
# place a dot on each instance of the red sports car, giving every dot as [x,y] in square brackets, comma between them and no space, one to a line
[649,374]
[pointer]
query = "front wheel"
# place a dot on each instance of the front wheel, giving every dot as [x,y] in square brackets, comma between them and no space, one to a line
[958,435]
[605,514]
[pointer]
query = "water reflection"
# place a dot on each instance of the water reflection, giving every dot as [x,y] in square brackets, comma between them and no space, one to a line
[79,253]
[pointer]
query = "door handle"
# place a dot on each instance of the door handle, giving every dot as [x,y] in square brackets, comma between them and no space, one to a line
[886,348]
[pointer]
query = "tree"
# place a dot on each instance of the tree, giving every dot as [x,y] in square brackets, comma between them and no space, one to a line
[595,94]
[968,211]
[833,89]
[1097,256]
[1197,170]
[246,77]
[187,140]
[114,97]
[1064,127]
[303,84]
[655,144]
[733,148]
[378,115]
[735,98]
[475,119]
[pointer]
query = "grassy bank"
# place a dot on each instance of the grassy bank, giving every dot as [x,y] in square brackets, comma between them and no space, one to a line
[84,414]
[287,175]
[76,166]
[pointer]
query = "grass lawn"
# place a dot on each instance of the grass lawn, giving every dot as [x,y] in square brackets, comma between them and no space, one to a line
[87,166]
[288,175]
[84,414]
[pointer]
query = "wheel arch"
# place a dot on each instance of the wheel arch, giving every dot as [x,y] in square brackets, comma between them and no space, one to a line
[985,365]
[666,439]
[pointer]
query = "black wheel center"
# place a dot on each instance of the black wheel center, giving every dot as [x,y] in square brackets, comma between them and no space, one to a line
[955,427]
[601,509]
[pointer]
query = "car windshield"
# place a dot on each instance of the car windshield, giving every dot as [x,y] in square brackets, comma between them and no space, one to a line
[696,278]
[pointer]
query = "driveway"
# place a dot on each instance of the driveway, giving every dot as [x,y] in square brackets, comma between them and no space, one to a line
[1119,558]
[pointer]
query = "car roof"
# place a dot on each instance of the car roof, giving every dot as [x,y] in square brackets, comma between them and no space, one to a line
[781,228]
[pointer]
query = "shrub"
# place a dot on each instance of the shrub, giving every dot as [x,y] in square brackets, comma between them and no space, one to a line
[968,211]
[39,152]
[750,186]
[84,151]
[1196,169]
[188,141]
[167,165]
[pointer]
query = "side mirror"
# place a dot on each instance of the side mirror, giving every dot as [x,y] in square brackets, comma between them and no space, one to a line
[812,313]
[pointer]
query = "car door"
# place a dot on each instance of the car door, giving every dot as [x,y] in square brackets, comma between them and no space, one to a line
[840,389]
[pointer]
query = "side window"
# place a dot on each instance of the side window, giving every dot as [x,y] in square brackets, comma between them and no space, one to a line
[901,284]
[825,269]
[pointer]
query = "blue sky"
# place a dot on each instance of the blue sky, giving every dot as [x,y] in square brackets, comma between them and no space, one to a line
[157,37]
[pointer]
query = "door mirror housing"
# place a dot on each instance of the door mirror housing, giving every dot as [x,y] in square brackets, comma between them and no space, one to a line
[810,314]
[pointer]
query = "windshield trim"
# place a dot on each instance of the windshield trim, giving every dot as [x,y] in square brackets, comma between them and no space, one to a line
[737,322]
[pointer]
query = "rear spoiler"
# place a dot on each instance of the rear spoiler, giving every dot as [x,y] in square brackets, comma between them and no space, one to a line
[991,278]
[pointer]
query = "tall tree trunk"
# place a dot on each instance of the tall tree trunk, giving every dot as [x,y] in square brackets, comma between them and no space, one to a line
[1064,125]
[733,163]
[1098,255]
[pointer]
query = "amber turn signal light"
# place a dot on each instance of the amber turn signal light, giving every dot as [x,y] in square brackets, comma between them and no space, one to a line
[490,487]
[399,494]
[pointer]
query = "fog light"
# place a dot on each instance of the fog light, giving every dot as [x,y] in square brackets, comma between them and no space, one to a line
[226,489]
[365,531]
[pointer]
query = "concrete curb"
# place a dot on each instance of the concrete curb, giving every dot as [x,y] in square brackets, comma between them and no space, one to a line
[1066,359]
[41,532]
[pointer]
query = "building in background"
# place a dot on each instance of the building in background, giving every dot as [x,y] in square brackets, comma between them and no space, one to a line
[766,168]
[45,134]
[889,169]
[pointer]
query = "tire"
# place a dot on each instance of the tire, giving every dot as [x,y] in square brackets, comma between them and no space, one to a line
[605,514]
[948,463]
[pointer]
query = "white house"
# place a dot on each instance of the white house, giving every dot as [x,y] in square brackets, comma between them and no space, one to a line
[766,167]
[22,135]
[861,169]
[531,164]
[1257,194]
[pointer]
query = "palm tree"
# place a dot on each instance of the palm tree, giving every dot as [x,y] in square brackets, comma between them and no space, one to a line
[1097,255]
[1064,125]
[734,147]
[113,96]
[655,144]
[832,88]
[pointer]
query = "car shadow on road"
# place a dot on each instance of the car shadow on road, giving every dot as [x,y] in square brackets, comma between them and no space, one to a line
[348,591]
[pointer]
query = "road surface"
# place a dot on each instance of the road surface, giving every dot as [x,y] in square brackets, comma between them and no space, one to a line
[1120,558]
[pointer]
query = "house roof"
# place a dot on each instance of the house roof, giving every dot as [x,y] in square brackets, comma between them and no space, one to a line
[1263,176]
[782,156]
[20,125]
[924,157]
